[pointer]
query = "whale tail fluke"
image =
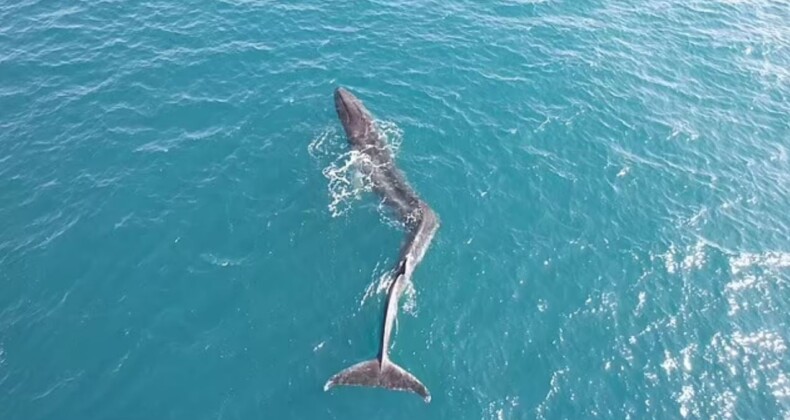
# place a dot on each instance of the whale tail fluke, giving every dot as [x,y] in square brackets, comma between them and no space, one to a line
[383,374]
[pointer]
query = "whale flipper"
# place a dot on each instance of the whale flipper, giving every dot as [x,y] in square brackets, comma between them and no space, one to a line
[383,374]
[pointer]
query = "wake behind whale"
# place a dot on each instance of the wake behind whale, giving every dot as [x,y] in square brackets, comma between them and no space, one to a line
[421,224]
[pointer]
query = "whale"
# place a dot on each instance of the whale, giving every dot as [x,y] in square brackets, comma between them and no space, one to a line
[421,223]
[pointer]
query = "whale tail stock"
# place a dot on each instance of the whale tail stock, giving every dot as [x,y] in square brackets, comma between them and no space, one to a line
[379,373]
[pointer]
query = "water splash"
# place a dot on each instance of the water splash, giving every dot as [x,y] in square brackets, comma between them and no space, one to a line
[409,299]
[321,144]
[380,285]
[392,134]
[346,183]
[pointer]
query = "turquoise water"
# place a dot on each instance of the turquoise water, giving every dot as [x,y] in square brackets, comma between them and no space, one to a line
[182,236]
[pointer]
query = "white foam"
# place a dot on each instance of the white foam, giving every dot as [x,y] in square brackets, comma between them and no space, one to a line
[725,402]
[761,341]
[687,353]
[221,261]
[669,364]
[641,304]
[409,299]
[691,258]
[328,145]
[695,257]
[381,285]
[766,260]
[669,259]
[345,182]
[393,135]
[542,305]
[686,401]
[554,390]
[320,145]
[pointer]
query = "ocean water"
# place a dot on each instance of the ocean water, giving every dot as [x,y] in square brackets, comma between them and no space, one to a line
[183,235]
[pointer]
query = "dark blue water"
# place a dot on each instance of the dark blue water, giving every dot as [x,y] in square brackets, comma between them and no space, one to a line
[183,234]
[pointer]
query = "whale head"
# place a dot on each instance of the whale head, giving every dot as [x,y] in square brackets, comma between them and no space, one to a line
[355,118]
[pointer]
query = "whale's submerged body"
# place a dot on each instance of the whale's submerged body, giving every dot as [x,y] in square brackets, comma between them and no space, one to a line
[421,224]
